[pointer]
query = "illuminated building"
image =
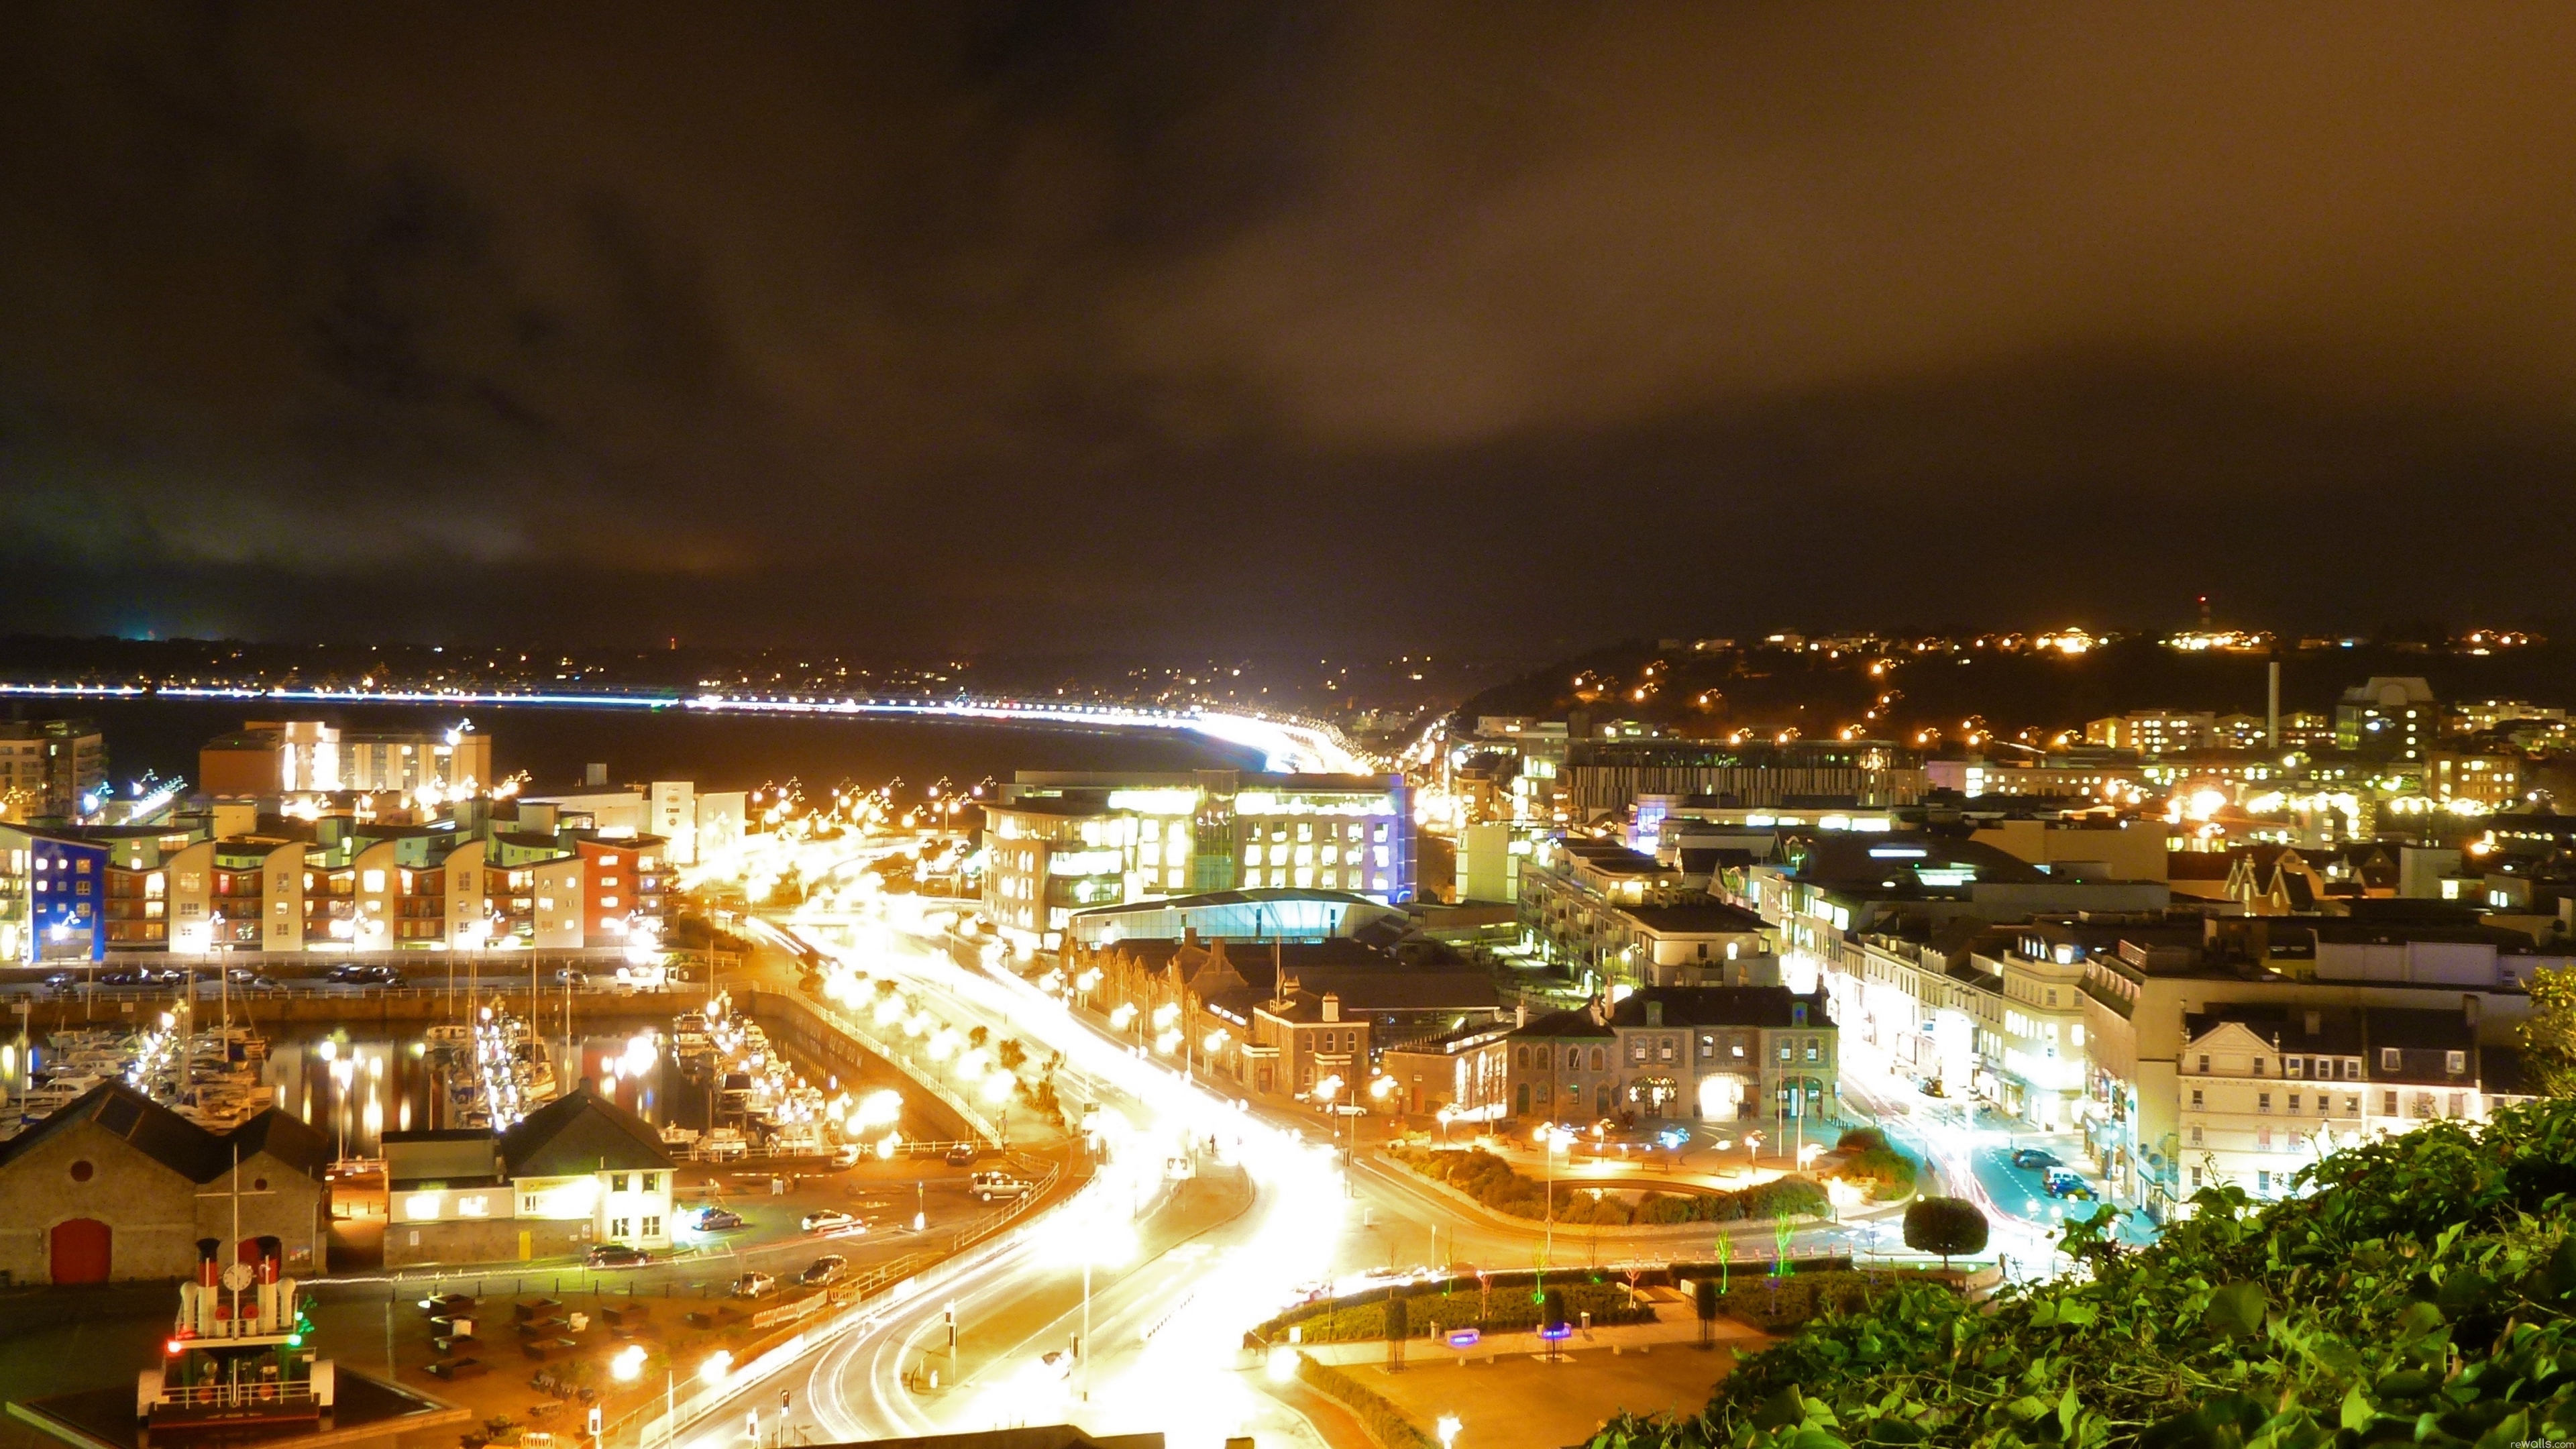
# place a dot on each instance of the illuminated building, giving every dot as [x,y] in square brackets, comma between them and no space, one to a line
[51,767]
[2095,773]
[53,896]
[1056,843]
[2153,731]
[577,1171]
[2388,718]
[2267,1089]
[2490,780]
[281,757]
[1605,777]
[1678,1053]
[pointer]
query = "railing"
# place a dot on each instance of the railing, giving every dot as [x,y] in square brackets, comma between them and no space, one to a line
[230,1395]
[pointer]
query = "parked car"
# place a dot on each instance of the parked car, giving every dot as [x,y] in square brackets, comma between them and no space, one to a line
[2061,1183]
[618,1255]
[2033,1157]
[64,981]
[962,1155]
[828,1220]
[571,977]
[353,973]
[754,1285]
[989,1185]
[825,1269]
[718,1220]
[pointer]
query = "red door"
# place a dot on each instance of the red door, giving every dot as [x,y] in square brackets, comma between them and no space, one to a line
[81,1251]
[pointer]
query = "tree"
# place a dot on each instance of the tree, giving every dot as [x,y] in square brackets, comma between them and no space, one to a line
[1945,1225]
[1861,1139]
[2549,1033]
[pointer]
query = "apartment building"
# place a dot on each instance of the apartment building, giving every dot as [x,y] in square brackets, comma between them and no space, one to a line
[2141,993]
[1677,1053]
[268,758]
[80,892]
[2151,732]
[53,768]
[2268,1089]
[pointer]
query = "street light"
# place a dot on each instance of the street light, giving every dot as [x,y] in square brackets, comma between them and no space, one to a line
[1447,1429]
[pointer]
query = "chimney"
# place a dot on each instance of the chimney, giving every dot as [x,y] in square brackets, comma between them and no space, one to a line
[2315,1021]
[1332,1006]
[594,774]
[1520,1013]
[2272,707]
[2469,1010]
[1654,1012]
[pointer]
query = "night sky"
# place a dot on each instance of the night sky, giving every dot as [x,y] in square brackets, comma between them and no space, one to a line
[1496,327]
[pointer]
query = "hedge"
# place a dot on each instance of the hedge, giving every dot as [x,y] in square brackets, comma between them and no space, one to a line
[1431,1314]
[1384,1422]
[1496,1184]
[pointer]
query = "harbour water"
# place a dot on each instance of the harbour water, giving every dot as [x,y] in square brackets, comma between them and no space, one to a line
[719,752]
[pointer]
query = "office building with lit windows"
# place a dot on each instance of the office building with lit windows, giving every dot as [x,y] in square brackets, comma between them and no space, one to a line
[2388,718]
[1057,843]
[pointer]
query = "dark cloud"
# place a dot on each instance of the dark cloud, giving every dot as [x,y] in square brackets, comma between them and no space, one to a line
[1044,324]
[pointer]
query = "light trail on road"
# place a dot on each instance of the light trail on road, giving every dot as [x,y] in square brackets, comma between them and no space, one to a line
[1164,1352]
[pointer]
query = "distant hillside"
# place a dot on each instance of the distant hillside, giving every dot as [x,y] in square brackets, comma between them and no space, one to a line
[1770,689]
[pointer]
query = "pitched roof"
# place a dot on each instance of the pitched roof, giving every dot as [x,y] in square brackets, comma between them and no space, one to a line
[1723,1006]
[289,1139]
[2338,1029]
[1576,1023]
[154,1130]
[1696,918]
[173,1140]
[579,1132]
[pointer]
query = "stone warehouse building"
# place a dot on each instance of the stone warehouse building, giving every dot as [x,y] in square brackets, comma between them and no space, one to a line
[117,1186]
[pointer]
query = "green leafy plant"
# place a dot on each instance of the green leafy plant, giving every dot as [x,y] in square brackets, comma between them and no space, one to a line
[2419,1292]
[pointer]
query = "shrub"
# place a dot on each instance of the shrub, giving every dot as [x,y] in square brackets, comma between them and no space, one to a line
[1426,1312]
[1386,1424]
[1889,1173]
[1945,1225]
[1862,1139]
